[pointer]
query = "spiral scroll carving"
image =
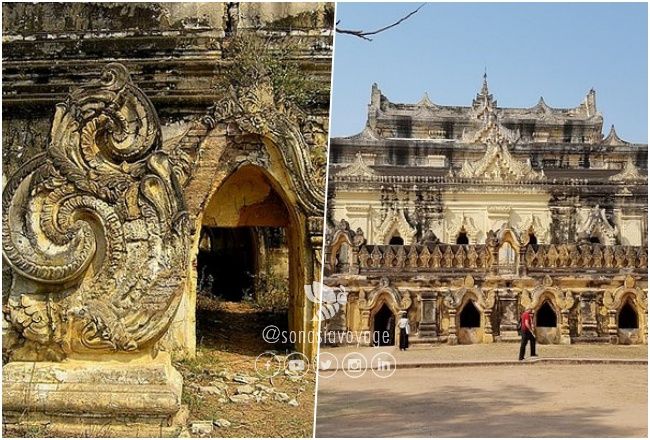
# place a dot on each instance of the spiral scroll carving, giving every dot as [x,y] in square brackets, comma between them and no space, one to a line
[95,228]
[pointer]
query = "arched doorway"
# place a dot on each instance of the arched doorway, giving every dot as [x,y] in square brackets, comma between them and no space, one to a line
[628,324]
[384,327]
[627,317]
[254,275]
[547,330]
[469,324]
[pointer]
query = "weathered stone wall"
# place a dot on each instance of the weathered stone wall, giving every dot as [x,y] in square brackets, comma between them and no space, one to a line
[174,52]
[586,285]
[177,54]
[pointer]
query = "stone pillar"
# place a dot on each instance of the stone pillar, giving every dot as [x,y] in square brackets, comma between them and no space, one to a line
[488,337]
[588,323]
[612,328]
[565,336]
[429,315]
[522,269]
[364,336]
[354,260]
[509,307]
[452,339]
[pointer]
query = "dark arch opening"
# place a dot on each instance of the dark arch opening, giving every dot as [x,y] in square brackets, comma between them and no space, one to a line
[532,239]
[627,317]
[462,238]
[470,317]
[396,240]
[227,267]
[594,239]
[546,316]
[384,322]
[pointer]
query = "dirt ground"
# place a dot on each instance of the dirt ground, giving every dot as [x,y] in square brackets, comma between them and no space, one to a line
[513,401]
[229,339]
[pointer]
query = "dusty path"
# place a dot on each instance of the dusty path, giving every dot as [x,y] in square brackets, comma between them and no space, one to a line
[529,401]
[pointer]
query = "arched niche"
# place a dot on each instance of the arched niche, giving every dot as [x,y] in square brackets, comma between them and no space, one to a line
[547,320]
[470,319]
[384,307]
[628,321]
[621,300]
[396,240]
[340,250]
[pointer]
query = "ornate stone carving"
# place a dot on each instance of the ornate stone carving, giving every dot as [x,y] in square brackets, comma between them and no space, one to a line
[532,224]
[596,224]
[95,228]
[395,221]
[357,168]
[497,163]
[463,224]
[254,109]
[629,173]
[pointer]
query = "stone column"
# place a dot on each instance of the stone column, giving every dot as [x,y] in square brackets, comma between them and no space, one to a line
[487,335]
[452,339]
[429,315]
[588,323]
[612,328]
[522,269]
[364,335]
[565,336]
[508,305]
[354,260]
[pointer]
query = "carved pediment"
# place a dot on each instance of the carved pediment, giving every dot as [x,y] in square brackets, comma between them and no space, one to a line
[532,223]
[497,163]
[254,109]
[395,221]
[357,168]
[462,223]
[629,173]
[596,224]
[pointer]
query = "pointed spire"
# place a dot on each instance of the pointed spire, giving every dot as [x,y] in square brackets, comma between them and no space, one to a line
[541,105]
[484,100]
[485,91]
[425,101]
[612,138]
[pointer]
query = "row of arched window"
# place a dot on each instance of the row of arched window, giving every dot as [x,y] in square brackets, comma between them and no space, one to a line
[470,317]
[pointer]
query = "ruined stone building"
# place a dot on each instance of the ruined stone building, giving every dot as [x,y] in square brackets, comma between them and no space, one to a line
[461,216]
[136,138]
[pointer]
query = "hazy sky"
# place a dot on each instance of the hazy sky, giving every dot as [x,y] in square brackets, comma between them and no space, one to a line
[558,51]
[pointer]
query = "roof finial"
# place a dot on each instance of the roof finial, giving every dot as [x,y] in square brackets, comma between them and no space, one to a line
[484,89]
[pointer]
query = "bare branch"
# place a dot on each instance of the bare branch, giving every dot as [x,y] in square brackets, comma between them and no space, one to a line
[364,34]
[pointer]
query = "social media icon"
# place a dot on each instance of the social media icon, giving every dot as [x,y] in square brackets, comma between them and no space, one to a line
[383,365]
[328,364]
[296,365]
[354,364]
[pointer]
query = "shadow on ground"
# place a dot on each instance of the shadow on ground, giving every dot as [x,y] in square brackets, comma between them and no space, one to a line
[455,411]
[236,327]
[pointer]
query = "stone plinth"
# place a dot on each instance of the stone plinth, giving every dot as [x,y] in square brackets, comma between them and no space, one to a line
[136,397]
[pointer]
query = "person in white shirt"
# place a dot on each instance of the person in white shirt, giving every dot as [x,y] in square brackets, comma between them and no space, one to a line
[404,330]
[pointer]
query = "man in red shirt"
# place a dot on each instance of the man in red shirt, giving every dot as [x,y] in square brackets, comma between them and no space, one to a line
[527,333]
